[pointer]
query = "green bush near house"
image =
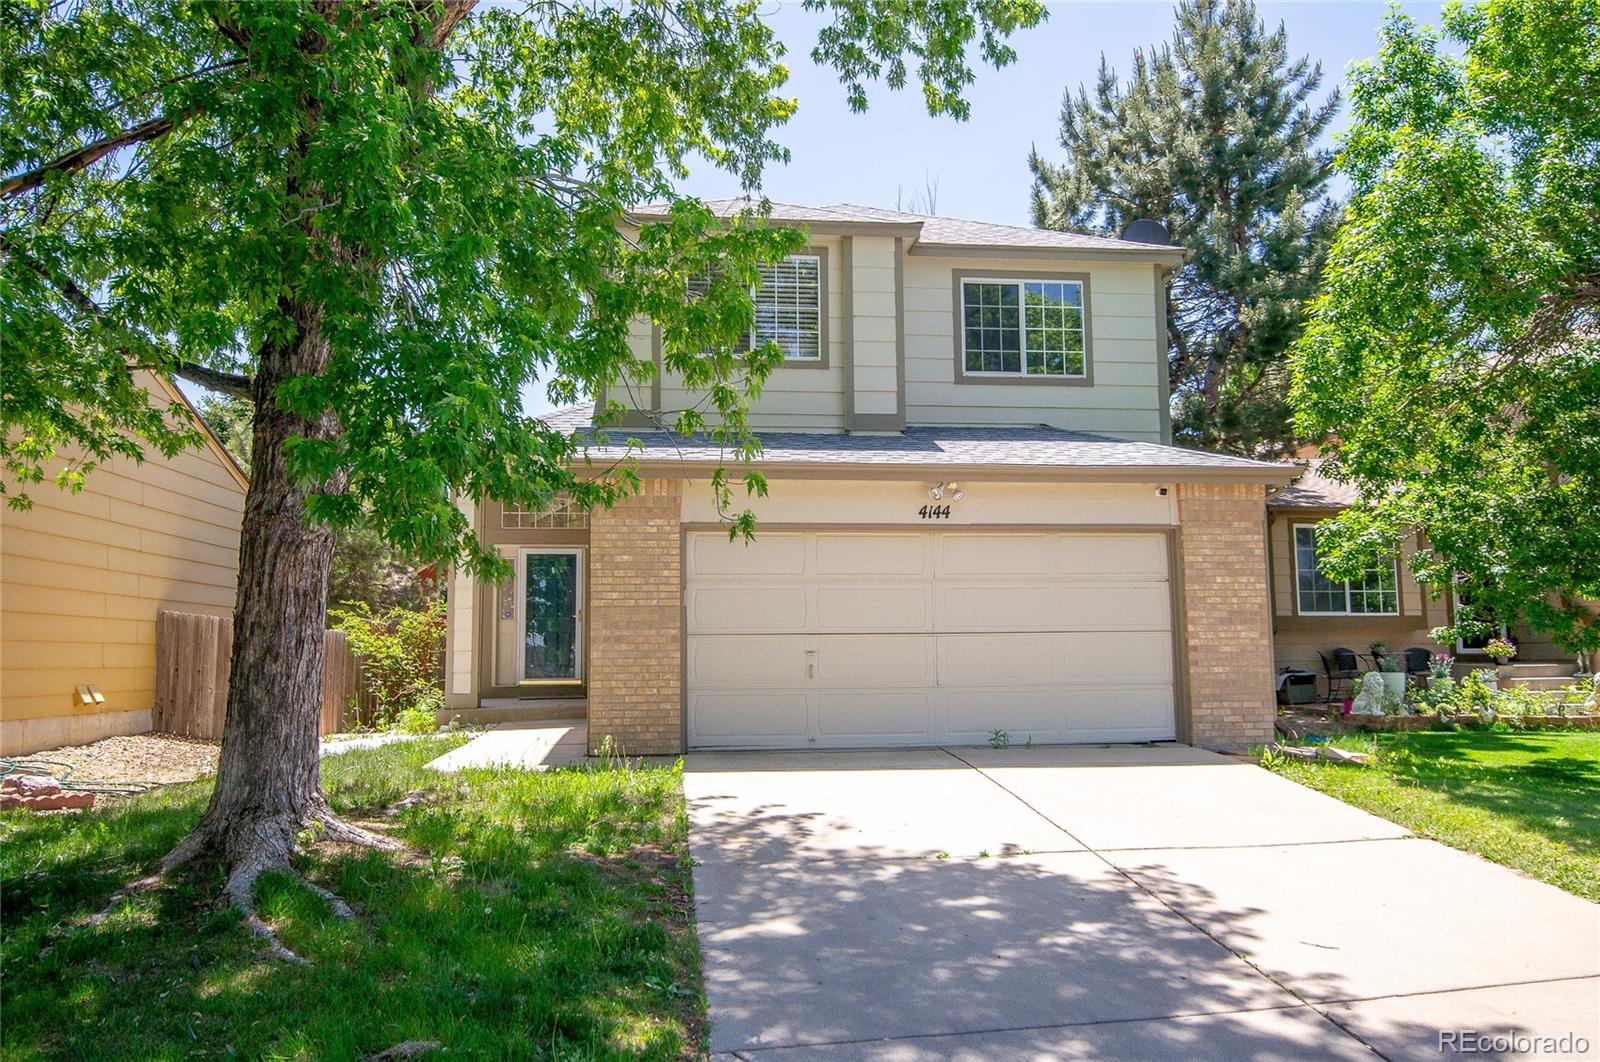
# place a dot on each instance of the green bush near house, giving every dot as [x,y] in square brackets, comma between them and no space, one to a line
[1525,799]
[543,915]
[399,649]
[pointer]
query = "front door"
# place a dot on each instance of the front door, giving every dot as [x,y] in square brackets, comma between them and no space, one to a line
[551,603]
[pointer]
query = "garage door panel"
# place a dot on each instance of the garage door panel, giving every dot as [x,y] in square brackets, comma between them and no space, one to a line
[1133,713]
[875,607]
[1112,556]
[928,637]
[769,553]
[875,660]
[973,715]
[990,555]
[844,554]
[1120,607]
[771,661]
[746,606]
[1115,657]
[967,660]
[747,717]
[979,606]
[872,715]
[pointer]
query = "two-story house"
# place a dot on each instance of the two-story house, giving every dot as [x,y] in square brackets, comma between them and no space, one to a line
[976,522]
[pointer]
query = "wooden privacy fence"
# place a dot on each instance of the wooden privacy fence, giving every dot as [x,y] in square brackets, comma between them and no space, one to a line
[192,655]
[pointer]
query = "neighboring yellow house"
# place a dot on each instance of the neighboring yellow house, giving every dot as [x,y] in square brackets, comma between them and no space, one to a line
[82,577]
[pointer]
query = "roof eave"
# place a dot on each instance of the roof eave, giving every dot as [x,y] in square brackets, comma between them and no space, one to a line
[816,227]
[691,467]
[1175,256]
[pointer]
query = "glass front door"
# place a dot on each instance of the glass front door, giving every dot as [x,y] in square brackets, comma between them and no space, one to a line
[552,615]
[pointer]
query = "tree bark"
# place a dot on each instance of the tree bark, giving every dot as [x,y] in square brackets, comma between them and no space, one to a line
[268,779]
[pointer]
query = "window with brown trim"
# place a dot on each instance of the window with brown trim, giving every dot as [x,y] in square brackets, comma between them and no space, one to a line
[1376,593]
[1021,328]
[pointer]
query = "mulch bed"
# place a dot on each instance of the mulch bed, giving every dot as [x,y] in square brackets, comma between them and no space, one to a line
[138,759]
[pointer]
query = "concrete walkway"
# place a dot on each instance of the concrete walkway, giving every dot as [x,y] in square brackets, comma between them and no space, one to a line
[533,746]
[1125,902]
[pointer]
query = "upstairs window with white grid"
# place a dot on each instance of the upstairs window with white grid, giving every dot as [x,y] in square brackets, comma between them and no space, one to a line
[1023,328]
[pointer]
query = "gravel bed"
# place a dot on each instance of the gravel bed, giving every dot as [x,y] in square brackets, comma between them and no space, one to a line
[146,759]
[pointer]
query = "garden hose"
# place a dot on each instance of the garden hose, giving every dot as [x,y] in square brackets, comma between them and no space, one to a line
[48,769]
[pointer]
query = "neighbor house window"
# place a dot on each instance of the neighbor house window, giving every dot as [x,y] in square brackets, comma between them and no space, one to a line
[1376,593]
[788,308]
[1023,328]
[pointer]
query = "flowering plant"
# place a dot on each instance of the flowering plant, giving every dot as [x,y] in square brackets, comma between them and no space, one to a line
[1500,648]
[1440,666]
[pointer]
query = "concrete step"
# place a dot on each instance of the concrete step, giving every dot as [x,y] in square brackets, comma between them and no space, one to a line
[1549,683]
[1541,670]
[532,710]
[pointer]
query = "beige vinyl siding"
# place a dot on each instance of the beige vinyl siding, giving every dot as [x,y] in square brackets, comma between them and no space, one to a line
[1124,398]
[874,349]
[83,576]
[795,397]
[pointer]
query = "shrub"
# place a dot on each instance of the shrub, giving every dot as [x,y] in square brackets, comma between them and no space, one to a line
[399,652]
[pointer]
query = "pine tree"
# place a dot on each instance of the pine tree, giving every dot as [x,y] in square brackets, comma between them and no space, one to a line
[1214,134]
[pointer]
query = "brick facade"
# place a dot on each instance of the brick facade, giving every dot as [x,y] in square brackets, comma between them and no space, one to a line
[635,622]
[1227,628]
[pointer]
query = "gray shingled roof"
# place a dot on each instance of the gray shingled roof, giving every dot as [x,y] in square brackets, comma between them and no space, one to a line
[1313,490]
[935,230]
[955,232]
[1028,447]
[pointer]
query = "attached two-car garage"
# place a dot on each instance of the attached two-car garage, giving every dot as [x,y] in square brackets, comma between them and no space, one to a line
[819,638]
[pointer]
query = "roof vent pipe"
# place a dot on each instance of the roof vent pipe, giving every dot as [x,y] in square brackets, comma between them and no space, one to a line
[1146,230]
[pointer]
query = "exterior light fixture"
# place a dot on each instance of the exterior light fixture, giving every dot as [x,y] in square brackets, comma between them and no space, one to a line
[956,493]
[936,491]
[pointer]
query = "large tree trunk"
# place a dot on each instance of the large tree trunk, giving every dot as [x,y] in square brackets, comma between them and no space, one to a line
[268,781]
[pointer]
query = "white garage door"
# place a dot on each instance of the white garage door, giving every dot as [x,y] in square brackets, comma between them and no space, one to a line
[822,638]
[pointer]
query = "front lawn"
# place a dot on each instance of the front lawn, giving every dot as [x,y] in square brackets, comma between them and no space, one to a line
[545,915]
[1526,799]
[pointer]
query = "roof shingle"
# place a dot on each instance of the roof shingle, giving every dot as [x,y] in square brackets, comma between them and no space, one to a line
[1024,447]
[935,231]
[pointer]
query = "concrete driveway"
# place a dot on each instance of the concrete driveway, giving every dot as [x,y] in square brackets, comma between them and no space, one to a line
[1121,902]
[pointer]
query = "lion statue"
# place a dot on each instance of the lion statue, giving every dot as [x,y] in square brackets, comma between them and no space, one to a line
[1373,694]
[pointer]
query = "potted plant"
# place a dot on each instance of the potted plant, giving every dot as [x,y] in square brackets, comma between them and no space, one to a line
[1500,650]
[1390,668]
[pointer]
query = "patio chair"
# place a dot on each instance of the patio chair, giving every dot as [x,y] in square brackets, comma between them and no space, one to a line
[1341,667]
[1417,667]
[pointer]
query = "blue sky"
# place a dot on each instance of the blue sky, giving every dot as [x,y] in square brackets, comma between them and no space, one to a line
[981,164]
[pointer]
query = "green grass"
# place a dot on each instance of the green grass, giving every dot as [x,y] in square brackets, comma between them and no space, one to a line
[548,916]
[1527,799]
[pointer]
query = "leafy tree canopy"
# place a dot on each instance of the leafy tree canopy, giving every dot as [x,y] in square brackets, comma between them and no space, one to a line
[437,194]
[366,569]
[1455,349]
[1215,134]
[381,221]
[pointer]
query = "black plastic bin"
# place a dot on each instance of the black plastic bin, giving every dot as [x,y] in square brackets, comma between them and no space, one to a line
[1297,687]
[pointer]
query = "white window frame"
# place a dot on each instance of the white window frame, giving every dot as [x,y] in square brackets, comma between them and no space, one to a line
[822,310]
[1021,283]
[1300,609]
[820,359]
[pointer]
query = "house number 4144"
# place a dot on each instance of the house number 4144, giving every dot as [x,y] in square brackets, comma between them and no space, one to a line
[934,512]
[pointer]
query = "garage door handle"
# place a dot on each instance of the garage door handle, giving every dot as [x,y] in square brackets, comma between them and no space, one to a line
[811,663]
